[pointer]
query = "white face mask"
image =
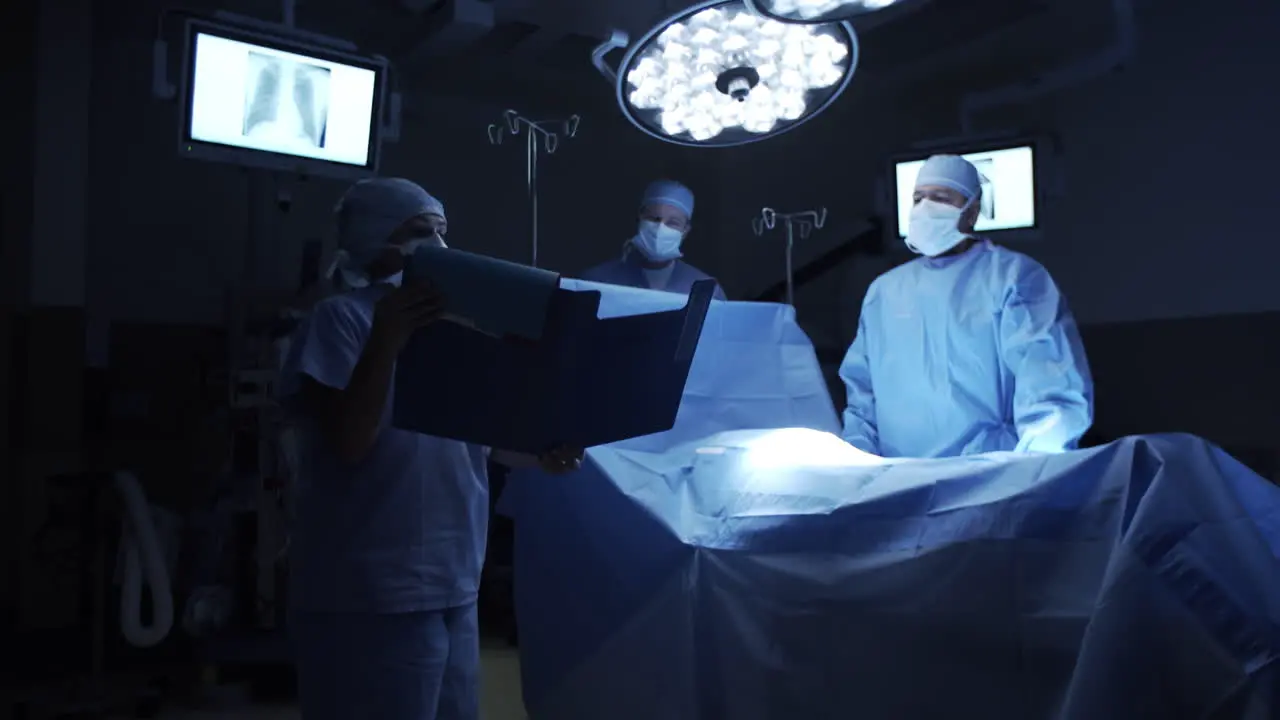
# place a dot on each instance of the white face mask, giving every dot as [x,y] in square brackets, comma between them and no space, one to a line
[411,247]
[934,228]
[435,239]
[358,278]
[657,242]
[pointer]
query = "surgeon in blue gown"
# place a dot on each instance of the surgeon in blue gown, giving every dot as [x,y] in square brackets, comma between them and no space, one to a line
[651,258]
[389,537]
[970,347]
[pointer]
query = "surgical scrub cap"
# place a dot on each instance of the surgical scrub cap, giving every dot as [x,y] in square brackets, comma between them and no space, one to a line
[369,213]
[669,192]
[373,209]
[951,171]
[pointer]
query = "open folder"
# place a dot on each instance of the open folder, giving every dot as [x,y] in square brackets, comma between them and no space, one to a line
[584,381]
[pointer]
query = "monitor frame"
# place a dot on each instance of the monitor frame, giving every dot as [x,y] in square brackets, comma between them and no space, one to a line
[266,159]
[1038,178]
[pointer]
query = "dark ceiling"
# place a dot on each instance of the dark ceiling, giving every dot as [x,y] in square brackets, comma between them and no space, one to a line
[417,30]
[549,41]
[939,26]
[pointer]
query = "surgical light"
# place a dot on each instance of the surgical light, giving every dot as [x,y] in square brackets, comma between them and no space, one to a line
[718,74]
[817,11]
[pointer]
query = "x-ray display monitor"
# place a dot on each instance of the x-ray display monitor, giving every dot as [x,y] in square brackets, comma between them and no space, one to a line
[256,97]
[1008,188]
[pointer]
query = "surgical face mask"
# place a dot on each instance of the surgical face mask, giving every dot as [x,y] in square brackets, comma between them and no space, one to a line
[657,242]
[356,280]
[934,228]
[355,277]
[410,246]
[435,239]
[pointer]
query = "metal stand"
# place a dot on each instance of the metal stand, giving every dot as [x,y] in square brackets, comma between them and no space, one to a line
[254,412]
[535,130]
[806,221]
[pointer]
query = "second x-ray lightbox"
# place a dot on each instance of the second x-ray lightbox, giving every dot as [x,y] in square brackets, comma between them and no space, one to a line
[262,101]
[1010,199]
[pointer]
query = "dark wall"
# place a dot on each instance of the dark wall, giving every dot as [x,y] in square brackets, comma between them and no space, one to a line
[180,230]
[1132,238]
[172,244]
[17,71]
[1160,238]
[1152,159]
[1154,237]
[1214,377]
[176,242]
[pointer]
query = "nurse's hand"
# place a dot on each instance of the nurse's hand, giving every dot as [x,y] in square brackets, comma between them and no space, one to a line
[403,310]
[561,460]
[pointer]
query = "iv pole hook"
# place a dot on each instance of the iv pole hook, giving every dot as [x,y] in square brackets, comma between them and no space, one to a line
[805,222]
[534,130]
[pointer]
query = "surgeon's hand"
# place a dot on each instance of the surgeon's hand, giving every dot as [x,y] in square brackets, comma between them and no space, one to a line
[561,460]
[403,310]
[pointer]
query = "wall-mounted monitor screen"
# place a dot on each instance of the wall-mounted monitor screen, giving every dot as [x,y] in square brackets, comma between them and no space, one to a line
[261,101]
[1009,199]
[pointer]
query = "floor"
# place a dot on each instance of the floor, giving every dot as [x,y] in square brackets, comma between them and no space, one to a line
[499,695]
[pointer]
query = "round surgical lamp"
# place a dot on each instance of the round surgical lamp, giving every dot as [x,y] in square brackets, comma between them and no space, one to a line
[817,11]
[719,74]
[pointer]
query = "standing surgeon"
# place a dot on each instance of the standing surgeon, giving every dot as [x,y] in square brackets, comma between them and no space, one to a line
[967,349]
[391,525]
[651,258]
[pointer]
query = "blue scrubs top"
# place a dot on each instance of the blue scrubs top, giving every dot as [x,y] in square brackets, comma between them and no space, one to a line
[404,529]
[966,354]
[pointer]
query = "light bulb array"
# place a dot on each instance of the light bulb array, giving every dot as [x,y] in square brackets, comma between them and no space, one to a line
[725,67]
[815,9]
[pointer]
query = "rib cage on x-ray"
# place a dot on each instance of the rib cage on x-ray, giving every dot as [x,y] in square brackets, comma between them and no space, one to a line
[988,208]
[286,101]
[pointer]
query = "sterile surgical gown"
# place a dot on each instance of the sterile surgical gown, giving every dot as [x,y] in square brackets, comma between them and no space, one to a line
[966,354]
[628,272]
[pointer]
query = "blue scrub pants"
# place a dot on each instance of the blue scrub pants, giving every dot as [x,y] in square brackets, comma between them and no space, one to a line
[404,666]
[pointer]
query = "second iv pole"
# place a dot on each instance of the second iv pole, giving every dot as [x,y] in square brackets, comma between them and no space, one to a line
[538,137]
[806,222]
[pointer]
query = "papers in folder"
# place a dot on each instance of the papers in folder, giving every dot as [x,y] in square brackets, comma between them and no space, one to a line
[585,381]
[492,296]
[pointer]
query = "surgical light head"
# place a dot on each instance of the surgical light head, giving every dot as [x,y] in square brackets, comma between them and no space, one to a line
[718,74]
[816,11]
[380,221]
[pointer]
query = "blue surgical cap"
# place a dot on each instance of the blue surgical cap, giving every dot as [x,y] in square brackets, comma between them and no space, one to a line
[951,171]
[372,210]
[669,192]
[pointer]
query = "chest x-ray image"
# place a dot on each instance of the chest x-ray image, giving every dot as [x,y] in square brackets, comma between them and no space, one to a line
[286,102]
[988,208]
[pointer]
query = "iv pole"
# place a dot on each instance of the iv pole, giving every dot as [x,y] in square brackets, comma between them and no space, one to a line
[806,222]
[534,130]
